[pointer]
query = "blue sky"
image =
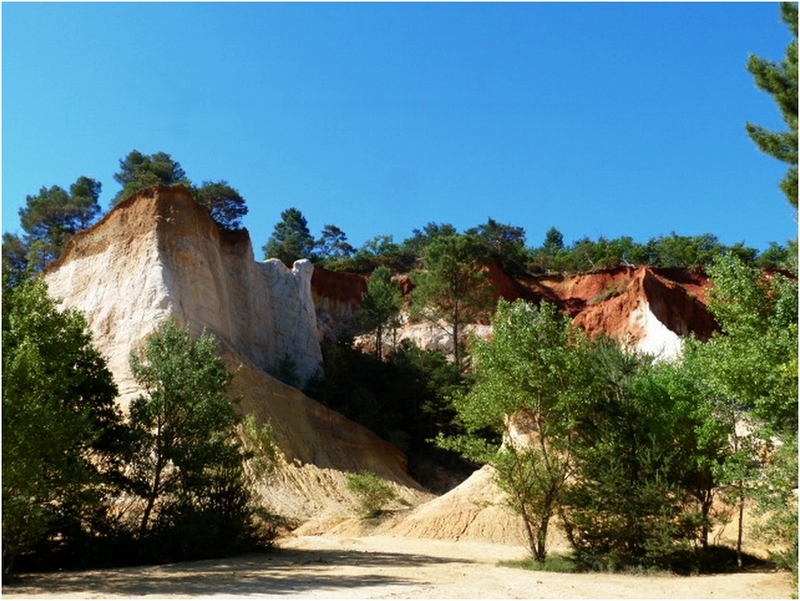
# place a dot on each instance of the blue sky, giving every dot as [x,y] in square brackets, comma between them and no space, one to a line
[598,119]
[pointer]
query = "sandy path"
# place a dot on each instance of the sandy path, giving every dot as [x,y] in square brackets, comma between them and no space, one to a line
[380,567]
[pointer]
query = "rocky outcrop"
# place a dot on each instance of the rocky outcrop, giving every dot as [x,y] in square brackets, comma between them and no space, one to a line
[475,510]
[648,309]
[159,255]
[337,298]
[648,312]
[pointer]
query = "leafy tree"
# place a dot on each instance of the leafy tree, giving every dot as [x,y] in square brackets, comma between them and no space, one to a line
[683,251]
[62,433]
[505,243]
[333,244]
[187,465]
[380,306]
[626,503]
[291,239]
[405,399]
[138,171]
[15,258]
[545,257]
[535,372]
[750,376]
[780,81]
[697,435]
[225,203]
[452,290]
[775,257]
[554,240]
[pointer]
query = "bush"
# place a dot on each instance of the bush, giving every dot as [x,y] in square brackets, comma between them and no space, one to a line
[372,491]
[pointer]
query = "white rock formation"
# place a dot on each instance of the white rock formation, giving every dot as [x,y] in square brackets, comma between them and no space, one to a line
[160,255]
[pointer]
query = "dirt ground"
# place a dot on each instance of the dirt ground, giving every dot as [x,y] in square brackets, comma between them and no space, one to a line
[383,567]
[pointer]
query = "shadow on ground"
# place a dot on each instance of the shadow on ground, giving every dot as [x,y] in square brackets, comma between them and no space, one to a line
[277,572]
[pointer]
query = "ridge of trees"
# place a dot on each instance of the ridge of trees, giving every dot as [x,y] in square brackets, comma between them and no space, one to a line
[507,244]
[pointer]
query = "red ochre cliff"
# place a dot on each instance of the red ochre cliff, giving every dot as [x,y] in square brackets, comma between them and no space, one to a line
[648,308]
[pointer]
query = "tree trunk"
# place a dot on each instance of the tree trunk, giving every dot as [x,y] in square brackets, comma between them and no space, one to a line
[541,539]
[708,500]
[151,500]
[741,525]
[456,350]
[155,489]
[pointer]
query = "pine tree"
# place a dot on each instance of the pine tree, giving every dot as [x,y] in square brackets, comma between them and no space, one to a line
[780,80]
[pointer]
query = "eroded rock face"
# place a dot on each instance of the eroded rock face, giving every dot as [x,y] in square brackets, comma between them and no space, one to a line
[648,309]
[649,312]
[159,255]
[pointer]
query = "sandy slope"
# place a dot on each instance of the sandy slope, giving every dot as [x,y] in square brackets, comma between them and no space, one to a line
[382,567]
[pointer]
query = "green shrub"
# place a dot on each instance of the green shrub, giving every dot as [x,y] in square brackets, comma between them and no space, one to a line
[372,491]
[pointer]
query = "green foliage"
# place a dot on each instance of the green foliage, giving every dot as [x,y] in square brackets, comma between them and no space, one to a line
[138,171]
[49,220]
[332,245]
[225,203]
[258,444]
[754,360]
[405,398]
[662,251]
[553,240]
[504,243]
[187,465]
[291,239]
[536,370]
[286,370]
[16,267]
[62,432]
[452,290]
[626,505]
[618,448]
[420,239]
[372,491]
[380,306]
[553,563]
[780,81]
[750,378]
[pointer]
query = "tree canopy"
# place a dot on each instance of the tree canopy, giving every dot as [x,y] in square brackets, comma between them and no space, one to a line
[333,245]
[138,171]
[49,220]
[452,289]
[187,464]
[380,307]
[61,427]
[225,203]
[291,239]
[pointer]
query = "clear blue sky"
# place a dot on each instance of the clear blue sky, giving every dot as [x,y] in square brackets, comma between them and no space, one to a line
[598,119]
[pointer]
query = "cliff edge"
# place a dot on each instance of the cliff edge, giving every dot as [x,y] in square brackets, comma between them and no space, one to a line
[159,255]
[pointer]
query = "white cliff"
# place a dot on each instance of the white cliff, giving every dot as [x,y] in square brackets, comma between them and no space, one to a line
[159,255]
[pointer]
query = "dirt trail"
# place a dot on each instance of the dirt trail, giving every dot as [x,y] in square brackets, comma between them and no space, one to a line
[382,567]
